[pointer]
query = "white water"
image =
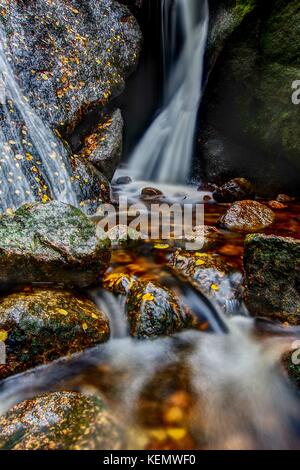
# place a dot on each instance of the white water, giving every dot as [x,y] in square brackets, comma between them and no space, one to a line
[52,159]
[165,152]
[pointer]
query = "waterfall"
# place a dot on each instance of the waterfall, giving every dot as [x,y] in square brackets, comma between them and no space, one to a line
[165,151]
[33,161]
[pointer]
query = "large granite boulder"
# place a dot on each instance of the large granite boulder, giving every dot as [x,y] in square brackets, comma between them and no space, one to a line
[272,269]
[60,421]
[51,242]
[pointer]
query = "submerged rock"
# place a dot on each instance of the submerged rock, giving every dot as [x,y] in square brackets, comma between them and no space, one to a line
[247,217]
[204,237]
[51,242]
[211,275]
[272,268]
[60,421]
[39,325]
[152,310]
[237,189]
[123,236]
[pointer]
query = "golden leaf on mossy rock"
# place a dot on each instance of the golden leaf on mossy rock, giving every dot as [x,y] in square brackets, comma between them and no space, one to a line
[60,421]
[39,325]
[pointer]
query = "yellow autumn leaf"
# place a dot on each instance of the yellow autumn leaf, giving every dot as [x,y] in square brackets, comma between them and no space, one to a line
[200,262]
[214,287]
[176,433]
[158,434]
[3,335]
[62,311]
[84,326]
[147,296]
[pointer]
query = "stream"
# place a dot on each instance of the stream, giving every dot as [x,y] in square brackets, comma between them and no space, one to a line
[220,385]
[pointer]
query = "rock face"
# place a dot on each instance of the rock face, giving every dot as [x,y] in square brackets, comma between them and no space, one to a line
[247,217]
[210,275]
[83,52]
[39,325]
[82,55]
[249,122]
[60,421]
[103,147]
[237,189]
[272,268]
[51,242]
[152,310]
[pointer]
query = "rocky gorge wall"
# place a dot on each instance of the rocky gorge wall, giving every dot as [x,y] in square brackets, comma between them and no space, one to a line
[249,125]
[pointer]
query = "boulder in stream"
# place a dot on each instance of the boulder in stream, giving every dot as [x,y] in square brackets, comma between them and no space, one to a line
[39,325]
[152,310]
[211,275]
[51,242]
[60,421]
[236,189]
[247,217]
[272,268]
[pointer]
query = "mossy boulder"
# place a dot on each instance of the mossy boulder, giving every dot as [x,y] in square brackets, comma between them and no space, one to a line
[250,125]
[211,275]
[152,310]
[60,421]
[51,242]
[272,269]
[39,325]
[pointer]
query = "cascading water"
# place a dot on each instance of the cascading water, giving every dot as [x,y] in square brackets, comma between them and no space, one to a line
[33,162]
[165,152]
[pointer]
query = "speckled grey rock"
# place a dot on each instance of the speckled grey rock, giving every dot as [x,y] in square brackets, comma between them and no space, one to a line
[51,242]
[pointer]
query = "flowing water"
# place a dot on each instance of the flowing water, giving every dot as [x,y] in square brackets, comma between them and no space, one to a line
[222,387]
[164,153]
[32,160]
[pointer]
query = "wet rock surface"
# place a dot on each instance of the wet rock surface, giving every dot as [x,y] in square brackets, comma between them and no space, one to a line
[247,217]
[272,268]
[291,364]
[152,310]
[211,275]
[51,242]
[60,421]
[123,236]
[83,52]
[103,146]
[82,55]
[39,325]
[234,190]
